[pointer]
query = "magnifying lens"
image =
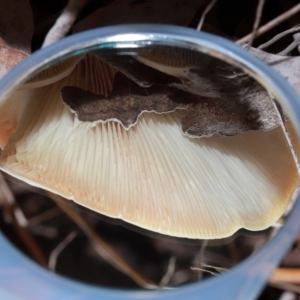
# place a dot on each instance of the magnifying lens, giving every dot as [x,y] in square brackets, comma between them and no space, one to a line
[175,131]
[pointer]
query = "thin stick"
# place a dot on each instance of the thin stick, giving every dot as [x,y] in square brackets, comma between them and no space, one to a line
[8,196]
[258,15]
[286,133]
[30,244]
[286,286]
[64,22]
[206,11]
[101,246]
[204,270]
[285,275]
[170,272]
[271,24]
[58,249]
[44,231]
[292,46]
[277,37]
[28,240]
[47,215]
[219,269]
[200,258]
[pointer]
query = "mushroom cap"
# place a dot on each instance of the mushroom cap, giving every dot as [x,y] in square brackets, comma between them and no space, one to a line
[151,175]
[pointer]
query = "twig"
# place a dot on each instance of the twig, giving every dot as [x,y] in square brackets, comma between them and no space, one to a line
[30,244]
[101,246]
[286,133]
[219,269]
[58,249]
[233,251]
[64,22]
[19,186]
[292,46]
[8,196]
[258,15]
[44,231]
[287,295]
[277,37]
[200,258]
[49,214]
[181,276]
[285,275]
[286,286]
[170,272]
[28,240]
[206,11]
[204,270]
[271,24]
[11,203]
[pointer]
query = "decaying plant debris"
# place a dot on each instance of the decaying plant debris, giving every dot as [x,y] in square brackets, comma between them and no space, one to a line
[256,117]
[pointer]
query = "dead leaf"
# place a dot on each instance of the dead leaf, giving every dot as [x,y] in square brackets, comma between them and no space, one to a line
[9,57]
[16,29]
[287,66]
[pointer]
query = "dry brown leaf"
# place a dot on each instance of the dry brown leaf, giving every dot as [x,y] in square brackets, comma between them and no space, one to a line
[288,67]
[9,57]
[16,29]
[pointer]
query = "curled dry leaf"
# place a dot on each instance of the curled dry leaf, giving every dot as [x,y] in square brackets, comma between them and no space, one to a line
[16,29]
[287,66]
[9,57]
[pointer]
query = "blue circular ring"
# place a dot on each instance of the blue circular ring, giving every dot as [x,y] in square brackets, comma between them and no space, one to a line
[20,278]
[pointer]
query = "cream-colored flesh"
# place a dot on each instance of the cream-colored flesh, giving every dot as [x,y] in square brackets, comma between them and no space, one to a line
[152,175]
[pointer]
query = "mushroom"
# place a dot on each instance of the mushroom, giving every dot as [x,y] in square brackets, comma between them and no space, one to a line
[150,175]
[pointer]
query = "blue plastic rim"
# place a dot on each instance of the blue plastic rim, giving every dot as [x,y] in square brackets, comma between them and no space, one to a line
[21,278]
